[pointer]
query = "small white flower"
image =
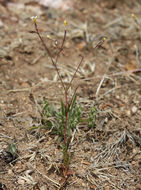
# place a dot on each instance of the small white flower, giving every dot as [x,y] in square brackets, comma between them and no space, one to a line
[34,18]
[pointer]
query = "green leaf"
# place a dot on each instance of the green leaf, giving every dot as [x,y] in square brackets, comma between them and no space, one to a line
[62,107]
[12,149]
[73,104]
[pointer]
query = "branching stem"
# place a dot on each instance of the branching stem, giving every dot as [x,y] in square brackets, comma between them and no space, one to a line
[49,54]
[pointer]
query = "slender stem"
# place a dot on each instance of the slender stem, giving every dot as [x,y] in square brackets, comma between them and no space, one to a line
[98,44]
[62,46]
[68,108]
[73,96]
[49,54]
[66,125]
[75,72]
[66,97]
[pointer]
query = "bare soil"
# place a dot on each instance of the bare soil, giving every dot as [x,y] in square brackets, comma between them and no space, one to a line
[106,157]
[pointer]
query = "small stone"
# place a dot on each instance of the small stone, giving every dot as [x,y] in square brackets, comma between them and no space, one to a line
[21,181]
[10,172]
[135,150]
[117,97]
[133,163]
[134,109]
[83,185]
[128,112]
[106,120]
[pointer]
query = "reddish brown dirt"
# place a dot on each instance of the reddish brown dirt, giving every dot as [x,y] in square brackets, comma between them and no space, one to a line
[106,157]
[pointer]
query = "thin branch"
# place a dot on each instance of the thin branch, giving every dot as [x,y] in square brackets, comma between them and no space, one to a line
[62,46]
[73,96]
[49,54]
[75,72]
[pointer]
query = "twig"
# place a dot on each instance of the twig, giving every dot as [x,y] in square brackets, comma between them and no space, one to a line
[62,46]
[99,86]
[75,72]
[19,90]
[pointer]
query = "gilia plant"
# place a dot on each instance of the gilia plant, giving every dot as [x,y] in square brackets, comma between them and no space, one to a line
[64,120]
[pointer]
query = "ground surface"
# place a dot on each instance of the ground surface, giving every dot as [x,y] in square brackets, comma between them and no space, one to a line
[106,157]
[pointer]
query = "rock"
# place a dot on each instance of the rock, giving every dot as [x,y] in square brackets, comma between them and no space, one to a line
[134,109]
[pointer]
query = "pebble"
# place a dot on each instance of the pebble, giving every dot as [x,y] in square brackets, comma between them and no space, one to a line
[134,109]
[135,151]
[133,163]
[10,172]
[128,112]
[21,181]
